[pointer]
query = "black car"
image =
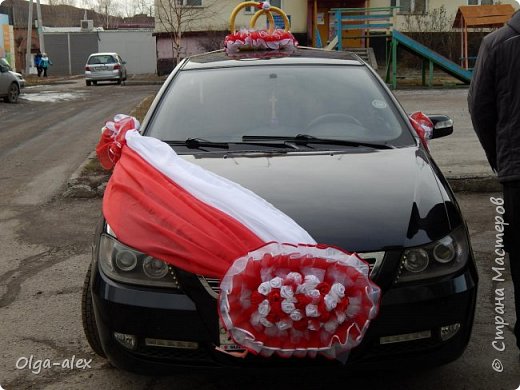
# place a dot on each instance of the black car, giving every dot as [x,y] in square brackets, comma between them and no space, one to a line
[319,135]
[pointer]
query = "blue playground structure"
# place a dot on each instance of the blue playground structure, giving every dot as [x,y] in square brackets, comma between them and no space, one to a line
[363,24]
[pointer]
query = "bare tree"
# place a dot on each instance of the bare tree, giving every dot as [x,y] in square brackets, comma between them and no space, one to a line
[178,17]
[62,2]
[434,30]
[137,7]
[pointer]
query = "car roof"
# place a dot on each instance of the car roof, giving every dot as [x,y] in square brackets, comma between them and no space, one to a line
[301,55]
[103,54]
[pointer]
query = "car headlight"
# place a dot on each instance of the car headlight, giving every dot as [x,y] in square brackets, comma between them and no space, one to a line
[127,265]
[443,257]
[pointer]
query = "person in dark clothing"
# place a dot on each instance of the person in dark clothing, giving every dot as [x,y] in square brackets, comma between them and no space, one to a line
[37,61]
[494,105]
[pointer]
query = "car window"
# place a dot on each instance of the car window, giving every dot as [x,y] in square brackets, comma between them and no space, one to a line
[4,64]
[342,102]
[101,59]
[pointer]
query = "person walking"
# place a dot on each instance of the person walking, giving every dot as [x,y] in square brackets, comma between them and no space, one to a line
[44,64]
[37,61]
[494,102]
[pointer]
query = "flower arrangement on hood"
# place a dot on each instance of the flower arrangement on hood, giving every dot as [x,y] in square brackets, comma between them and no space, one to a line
[252,39]
[298,300]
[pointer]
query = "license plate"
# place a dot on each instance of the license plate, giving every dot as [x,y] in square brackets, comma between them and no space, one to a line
[98,68]
[226,342]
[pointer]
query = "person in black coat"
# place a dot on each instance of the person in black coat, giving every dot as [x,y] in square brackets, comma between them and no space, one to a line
[37,60]
[494,105]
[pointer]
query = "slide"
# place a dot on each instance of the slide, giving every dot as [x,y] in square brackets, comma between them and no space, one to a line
[441,62]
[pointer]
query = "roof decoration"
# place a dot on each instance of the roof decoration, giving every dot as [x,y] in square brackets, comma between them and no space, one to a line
[252,39]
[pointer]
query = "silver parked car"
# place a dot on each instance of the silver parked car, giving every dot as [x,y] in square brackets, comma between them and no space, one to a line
[105,67]
[10,82]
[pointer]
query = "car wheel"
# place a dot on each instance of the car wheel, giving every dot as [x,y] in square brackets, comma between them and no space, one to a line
[88,82]
[119,82]
[87,316]
[12,93]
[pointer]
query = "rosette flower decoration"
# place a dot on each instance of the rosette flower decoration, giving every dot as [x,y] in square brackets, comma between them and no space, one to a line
[251,39]
[298,301]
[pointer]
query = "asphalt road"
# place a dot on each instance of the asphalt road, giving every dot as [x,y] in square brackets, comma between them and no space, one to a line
[45,252]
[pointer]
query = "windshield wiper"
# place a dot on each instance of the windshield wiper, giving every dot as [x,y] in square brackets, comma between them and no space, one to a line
[304,139]
[196,143]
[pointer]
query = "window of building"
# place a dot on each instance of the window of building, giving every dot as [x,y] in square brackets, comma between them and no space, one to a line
[412,6]
[274,3]
[190,3]
[480,2]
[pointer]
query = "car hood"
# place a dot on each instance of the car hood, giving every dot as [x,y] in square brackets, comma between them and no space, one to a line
[360,201]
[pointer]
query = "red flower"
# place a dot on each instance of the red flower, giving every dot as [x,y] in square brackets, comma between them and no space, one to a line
[256,298]
[314,324]
[274,316]
[274,296]
[300,325]
[323,288]
[276,308]
[342,305]
[303,300]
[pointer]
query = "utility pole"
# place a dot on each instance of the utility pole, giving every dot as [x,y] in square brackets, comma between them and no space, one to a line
[28,59]
[40,26]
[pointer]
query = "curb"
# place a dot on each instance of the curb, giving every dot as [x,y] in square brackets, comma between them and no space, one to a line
[81,184]
[486,183]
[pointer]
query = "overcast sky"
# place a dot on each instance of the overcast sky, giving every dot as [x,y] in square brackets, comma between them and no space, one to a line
[120,4]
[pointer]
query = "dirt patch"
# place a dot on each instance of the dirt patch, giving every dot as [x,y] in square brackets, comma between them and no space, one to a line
[90,180]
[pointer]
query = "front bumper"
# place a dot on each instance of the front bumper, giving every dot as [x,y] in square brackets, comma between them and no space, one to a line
[160,314]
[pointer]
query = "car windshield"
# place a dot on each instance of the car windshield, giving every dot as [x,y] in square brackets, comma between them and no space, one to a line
[333,102]
[101,59]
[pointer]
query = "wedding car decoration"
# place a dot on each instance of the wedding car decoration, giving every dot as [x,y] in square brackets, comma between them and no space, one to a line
[298,300]
[252,39]
[281,292]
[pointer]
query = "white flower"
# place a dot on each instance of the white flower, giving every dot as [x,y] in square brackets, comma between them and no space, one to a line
[338,290]
[331,301]
[264,308]
[284,324]
[296,315]
[314,294]
[265,322]
[294,277]
[276,282]
[287,306]
[331,326]
[255,318]
[264,288]
[312,310]
[311,279]
[286,292]
[341,317]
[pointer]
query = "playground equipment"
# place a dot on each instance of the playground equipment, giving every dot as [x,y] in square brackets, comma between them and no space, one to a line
[430,59]
[482,16]
[369,23]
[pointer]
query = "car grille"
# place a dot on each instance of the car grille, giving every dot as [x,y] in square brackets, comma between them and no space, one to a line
[374,260]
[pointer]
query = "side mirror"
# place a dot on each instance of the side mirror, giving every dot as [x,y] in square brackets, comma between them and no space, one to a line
[3,69]
[442,126]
